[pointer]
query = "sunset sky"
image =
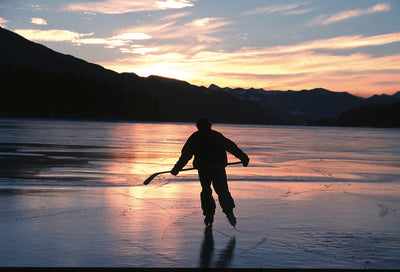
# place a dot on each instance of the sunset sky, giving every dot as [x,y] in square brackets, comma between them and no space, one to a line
[340,45]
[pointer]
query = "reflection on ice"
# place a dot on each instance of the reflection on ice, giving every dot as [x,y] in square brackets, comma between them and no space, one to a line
[207,248]
[226,255]
[207,251]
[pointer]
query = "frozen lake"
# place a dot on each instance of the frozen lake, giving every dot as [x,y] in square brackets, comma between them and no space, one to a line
[104,153]
[71,194]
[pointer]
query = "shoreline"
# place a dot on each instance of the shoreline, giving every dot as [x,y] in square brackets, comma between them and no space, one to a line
[105,120]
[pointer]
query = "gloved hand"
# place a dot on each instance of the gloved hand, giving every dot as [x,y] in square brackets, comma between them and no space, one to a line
[175,170]
[245,160]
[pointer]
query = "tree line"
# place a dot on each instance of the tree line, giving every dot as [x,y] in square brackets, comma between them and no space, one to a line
[27,92]
[375,115]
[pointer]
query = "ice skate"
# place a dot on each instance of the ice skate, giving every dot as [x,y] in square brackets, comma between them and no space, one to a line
[209,220]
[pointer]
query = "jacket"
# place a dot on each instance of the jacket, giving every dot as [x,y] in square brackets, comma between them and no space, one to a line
[209,149]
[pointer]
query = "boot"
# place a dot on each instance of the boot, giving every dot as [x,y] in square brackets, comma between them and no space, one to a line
[209,220]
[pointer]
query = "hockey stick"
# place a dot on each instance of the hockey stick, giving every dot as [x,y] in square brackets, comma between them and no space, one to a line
[149,179]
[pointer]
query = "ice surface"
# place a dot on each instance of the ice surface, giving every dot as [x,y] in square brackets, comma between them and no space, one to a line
[101,153]
[71,194]
[283,224]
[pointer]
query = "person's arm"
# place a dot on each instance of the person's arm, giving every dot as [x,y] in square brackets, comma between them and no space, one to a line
[232,148]
[186,155]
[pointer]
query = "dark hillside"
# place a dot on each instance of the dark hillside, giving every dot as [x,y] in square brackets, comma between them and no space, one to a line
[30,93]
[372,116]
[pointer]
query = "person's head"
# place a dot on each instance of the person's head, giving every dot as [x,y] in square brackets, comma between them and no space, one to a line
[203,124]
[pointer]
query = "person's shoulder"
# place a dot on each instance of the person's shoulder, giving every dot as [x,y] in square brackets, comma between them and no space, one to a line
[216,133]
[194,135]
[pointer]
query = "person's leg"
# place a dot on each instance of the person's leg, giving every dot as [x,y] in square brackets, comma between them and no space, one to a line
[207,200]
[220,185]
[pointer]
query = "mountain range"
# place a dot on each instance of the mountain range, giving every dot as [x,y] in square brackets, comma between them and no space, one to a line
[308,105]
[39,82]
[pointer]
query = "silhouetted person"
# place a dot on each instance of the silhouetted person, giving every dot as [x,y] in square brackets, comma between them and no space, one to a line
[209,150]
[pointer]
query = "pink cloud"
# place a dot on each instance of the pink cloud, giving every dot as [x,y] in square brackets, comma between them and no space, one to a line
[3,22]
[347,14]
[54,35]
[125,6]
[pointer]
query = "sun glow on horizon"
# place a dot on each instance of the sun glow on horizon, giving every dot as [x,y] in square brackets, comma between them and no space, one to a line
[167,70]
[300,66]
[366,77]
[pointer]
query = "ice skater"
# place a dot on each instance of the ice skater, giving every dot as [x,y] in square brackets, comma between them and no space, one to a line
[209,149]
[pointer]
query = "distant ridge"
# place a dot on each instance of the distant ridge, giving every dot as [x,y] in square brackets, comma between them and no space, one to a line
[40,82]
[308,105]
